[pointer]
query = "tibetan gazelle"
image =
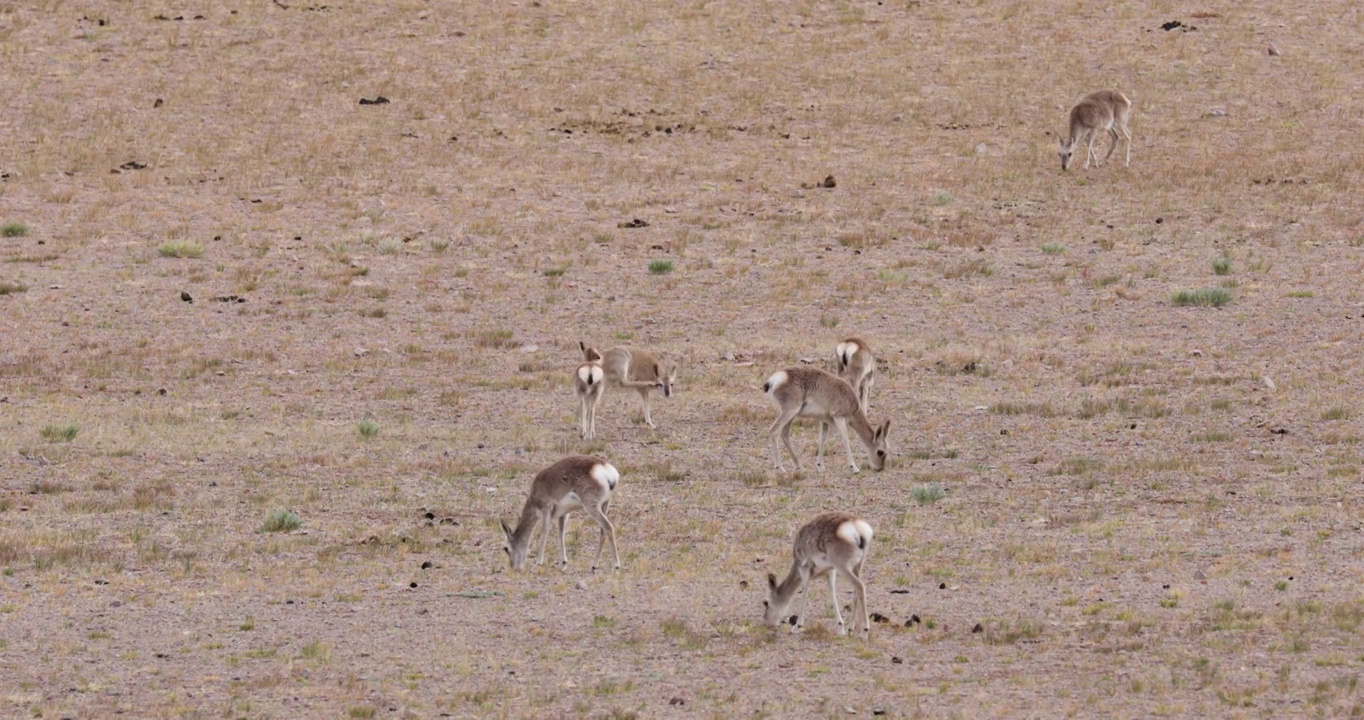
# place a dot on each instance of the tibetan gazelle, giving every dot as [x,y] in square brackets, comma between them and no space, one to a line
[576,482]
[857,366]
[814,393]
[635,369]
[1106,111]
[588,385]
[831,544]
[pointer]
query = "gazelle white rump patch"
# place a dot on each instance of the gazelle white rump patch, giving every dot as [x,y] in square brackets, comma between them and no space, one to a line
[606,475]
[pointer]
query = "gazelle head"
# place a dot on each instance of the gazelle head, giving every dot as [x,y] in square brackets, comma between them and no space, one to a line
[517,555]
[1067,152]
[775,606]
[666,370]
[880,450]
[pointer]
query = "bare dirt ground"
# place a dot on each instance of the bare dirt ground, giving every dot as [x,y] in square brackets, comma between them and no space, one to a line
[1149,509]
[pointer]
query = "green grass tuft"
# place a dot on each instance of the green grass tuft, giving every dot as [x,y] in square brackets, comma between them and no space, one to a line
[926,494]
[10,288]
[281,520]
[1053,249]
[180,249]
[1202,297]
[14,229]
[59,433]
[661,267]
[368,429]
[1221,266]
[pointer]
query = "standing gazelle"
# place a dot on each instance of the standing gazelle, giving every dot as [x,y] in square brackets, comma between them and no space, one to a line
[588,385]
[857,366]
[1105,111]
[577,481]
[831,544]
[819,394]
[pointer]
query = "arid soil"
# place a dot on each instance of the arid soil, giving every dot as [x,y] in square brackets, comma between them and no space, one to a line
[230,289]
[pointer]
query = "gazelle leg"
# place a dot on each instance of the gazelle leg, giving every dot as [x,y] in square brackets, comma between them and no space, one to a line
[781,427]
[545,522]
[1128,135]
[608,533]
[860,604]
[563,546]
[644,395]
[842,425]
[1112,133]
[833,597]
[819,454]
[804,595]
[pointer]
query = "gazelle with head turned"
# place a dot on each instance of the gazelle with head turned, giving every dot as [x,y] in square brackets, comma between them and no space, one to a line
[633,368]
[830,545]
[857,366]
[819,394]
[577,482]
[589,385]
[1106,111]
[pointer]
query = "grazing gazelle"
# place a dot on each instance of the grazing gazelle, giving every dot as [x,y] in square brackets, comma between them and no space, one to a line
[819,394]
[858,367]
[831,544]
[588,386]
[577,481]
[1105,111]
[633,368]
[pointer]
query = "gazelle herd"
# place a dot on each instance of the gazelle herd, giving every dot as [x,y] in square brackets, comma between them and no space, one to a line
[831,544]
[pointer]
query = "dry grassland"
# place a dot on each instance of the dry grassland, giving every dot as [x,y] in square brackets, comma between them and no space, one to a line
[1124,402]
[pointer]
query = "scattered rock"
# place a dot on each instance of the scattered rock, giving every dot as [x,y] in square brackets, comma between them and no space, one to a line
[426,565]
[580,585]
[677,701]
[1200,575]
[529,348]
[229,299]
[1177,25]
[132,165]
[1196,353]
[978,628]
[896,660]
[430,516]
[879,618]
[942,586]
[1269,383]
[1272,50]
[159,102]
[829,182]
[412,585]
[632,224]
[186,297]
[378,100]
[1216,112]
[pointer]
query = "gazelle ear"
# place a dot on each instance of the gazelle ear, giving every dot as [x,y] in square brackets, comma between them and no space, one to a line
[772,581]
[505,528]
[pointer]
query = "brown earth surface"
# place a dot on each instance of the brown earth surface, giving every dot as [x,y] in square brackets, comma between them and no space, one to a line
[1148,508]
